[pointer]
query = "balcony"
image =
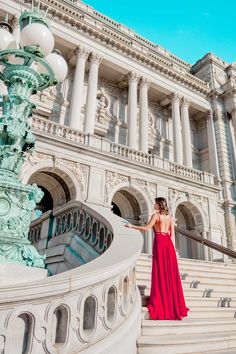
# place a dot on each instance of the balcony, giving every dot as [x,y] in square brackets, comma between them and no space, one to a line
[44,127]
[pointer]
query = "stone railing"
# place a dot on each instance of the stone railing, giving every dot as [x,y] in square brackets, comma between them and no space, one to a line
[42,126]
[126,152]
[87,309]
[70,234]
[74,220]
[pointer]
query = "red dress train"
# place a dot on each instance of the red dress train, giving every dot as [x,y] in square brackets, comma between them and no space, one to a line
[166,298]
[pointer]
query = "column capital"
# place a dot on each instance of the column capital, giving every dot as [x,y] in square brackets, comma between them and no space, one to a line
[95,58]
[133,76]
[144,82]
[82,52]
[210,114]
[185,102]
[176,97]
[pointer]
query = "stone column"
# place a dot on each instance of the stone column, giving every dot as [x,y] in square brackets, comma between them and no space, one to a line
[186,132]
[214,164]
[16,30]
[177,131]
[232,127]
[78,85]
[95,61]
[143,115]
[233,116]
[132,110]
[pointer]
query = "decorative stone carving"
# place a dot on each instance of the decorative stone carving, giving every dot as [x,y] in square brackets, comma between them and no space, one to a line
[37,157]
[140,182]
[152,188]
[102,116]
[174,197]
[95,58]
[133,76]
[112,180]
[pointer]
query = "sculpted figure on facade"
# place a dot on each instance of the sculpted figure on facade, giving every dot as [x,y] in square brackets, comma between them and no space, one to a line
[102,113]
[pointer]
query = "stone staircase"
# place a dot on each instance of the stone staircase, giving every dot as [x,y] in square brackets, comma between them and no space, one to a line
[210,328]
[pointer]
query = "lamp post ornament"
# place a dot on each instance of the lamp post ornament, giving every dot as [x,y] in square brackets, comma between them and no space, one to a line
[30,68]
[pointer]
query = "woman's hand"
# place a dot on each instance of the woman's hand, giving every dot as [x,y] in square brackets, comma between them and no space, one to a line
[128,225]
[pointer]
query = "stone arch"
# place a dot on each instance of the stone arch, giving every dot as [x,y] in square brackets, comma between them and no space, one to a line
[138,200]
[58,183]
[142,196]
[135,205]
[72,181]
[189,216]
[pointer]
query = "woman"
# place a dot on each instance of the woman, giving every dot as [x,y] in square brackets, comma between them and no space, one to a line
[166,298]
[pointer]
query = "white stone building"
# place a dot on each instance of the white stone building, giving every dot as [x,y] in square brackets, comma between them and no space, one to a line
[131,122]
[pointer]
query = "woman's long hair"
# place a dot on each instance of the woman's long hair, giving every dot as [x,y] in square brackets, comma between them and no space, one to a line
[163,205]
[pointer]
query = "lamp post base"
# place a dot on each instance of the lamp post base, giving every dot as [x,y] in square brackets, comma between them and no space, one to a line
[17,201]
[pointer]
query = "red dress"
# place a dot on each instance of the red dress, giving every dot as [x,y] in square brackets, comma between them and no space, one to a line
[166,299]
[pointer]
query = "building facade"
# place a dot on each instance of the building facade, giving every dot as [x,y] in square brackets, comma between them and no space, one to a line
[131,122]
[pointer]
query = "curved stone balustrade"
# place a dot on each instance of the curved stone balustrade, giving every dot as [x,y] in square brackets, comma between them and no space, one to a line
[72,234]
[42,126]
[88,227]
[89,309]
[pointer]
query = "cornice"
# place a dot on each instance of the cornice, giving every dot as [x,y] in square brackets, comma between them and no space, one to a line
[73,16]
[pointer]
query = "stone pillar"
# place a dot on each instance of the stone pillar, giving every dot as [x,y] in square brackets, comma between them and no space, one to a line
[16,30]
[132,110]
[78,85]
[186,132]
[214,164]
[232,128]
[233,116]
[95,61]
[177,131]
[143,115]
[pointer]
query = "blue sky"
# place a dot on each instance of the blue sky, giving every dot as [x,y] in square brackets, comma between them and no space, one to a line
[189,29]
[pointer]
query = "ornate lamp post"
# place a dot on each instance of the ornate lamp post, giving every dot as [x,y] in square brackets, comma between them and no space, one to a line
[31,68]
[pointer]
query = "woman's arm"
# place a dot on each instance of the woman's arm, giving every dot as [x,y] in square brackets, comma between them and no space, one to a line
[150,223]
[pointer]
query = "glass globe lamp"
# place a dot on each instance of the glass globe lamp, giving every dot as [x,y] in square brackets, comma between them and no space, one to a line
[37,35]
[58,64]
[7,41]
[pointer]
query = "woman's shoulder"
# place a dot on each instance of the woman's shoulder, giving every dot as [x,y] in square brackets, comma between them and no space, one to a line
[156,215]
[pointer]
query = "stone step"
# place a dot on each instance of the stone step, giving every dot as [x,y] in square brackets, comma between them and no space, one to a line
[145,279]
[200,312]
[226,273]
[145,259]
[187,325]
[208,328]
[203,302]
[187,344]
[189,292]
[206,277]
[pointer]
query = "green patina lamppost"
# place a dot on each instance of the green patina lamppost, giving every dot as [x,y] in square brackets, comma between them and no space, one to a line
[30,68]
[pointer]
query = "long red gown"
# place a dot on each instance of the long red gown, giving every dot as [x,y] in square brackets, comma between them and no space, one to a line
[166,298]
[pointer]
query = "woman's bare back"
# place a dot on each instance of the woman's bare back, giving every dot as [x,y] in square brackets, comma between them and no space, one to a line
[163,223]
